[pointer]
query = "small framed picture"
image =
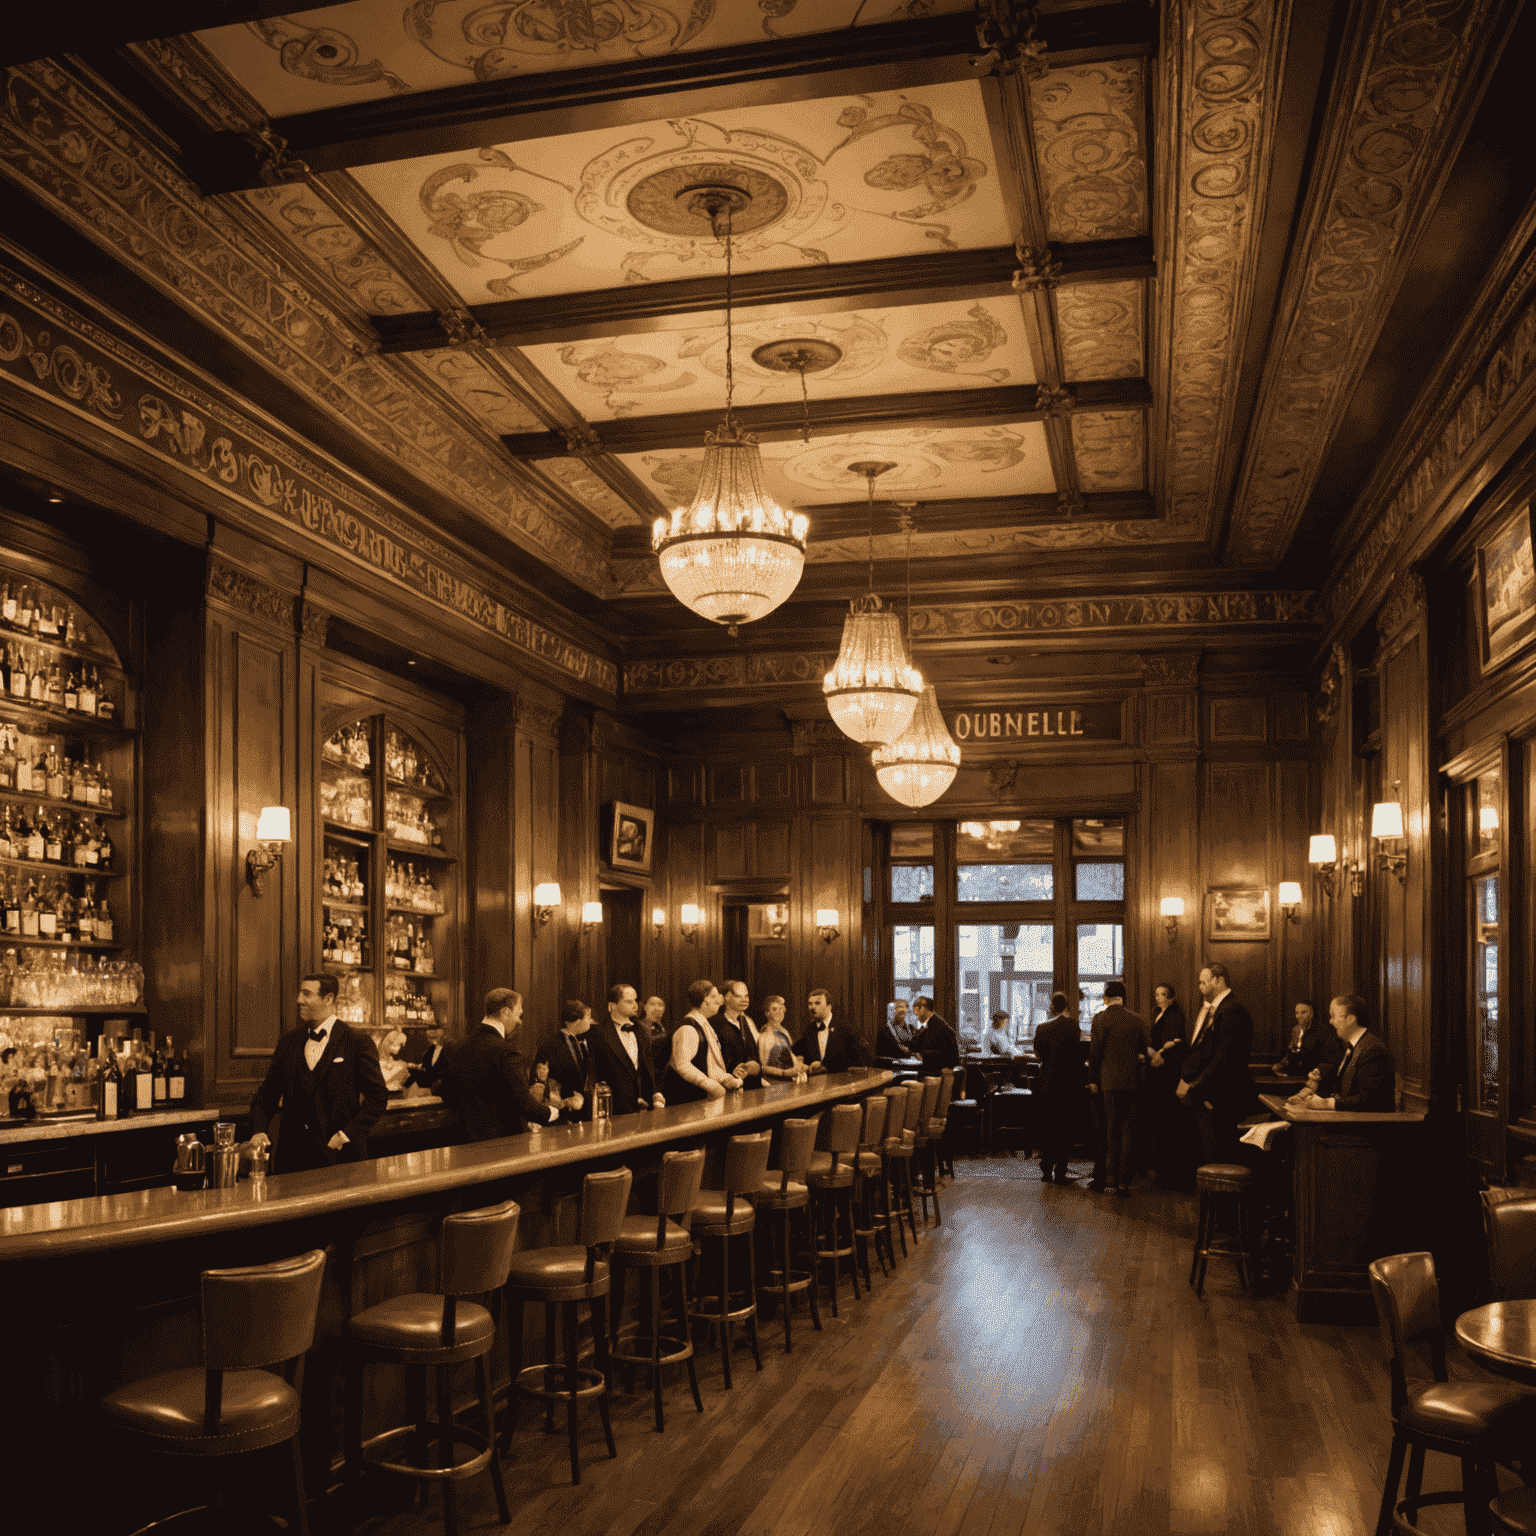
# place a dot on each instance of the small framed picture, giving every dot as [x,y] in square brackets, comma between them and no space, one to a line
[1506,589]
[1237,914]
[631,831]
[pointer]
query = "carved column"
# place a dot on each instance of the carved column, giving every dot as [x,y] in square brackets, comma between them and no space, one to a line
[1171,813]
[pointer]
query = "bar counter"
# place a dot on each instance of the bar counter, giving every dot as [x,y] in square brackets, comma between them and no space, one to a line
[73,1228]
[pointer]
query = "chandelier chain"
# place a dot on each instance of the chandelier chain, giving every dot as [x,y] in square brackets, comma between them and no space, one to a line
[730,377]
[870,481]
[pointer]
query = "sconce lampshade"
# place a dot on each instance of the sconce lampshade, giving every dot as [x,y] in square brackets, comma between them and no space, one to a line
[273,825]
[1172,906]
[826,917]
[1290,893]
[658,917]
[1488,819]
[591,911]
[1323,850]
[688,915]
[547,894]
[1386,819]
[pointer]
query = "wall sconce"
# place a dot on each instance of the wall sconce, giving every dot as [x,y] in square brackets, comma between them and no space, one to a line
[1323,856]
[591,915]
[778,919]
[546,897]
[658,919]
[826,924]
[1290,900]
[688,921]
[273,829]
[1387,827]
[1172,910]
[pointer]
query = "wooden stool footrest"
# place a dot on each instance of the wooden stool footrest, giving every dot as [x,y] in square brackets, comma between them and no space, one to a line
[433,1434]
[674,1351]
[591,1383]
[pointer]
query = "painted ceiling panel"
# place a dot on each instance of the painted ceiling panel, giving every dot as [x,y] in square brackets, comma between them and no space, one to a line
[1111,449]
[930,464]
[461,374]
[1102,330]
[588,487]
[923,347]
[1090,138]
[377,48]
[847,178]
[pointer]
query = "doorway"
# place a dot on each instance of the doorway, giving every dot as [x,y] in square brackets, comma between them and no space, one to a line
[621,938]
[757,949]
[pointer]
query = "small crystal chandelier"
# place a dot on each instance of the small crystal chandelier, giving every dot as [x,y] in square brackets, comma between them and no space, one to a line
[873,690]
[922,762]
[734,554]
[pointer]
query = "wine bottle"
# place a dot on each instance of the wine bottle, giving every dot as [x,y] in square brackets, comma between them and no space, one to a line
[87,690]
[110,1104]
[175,1075]
[143,1083]
[161,1085]
[105,708]
[29,911]
[103,846]
[53,840]
[7,760]
[47,916]
[72,691]
[103,922]
[37,681]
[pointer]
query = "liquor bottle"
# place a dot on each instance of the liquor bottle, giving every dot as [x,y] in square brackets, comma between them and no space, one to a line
[90,839]
[104,846]
[36,843]
[37,679]
[69,923]
[56,786]
[24,609]
[175,1075]
[92,783]
[110,1104]
[18,673]
[55,694]
[103,922]
[85,916]
[53,839]
[79,1091]
[106,709]
[161,1085]
[8,603]
[29,911]
[47,621]
[7,835]
[7,759]
[143,1080]
[72,690]
[74,635]
[87,690]
[12,912]
[47,916]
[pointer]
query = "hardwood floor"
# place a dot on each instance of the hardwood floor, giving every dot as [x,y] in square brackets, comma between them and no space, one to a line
[1038,1365]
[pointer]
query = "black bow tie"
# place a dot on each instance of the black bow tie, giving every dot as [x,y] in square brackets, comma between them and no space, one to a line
[627,1029]
[317,1034]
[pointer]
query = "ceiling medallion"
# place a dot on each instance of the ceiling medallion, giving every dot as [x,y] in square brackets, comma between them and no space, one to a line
[677,201]
[873,689]
[802,355]
[734,554]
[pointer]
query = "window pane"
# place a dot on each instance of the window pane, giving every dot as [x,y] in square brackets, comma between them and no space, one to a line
[1100,958]
[912,882]
[1101,882]
[1485,987]
[1000,842]
[1102,834]
[1004,967]
[1006,882]
[912,954]
[1487,792]
[912,840]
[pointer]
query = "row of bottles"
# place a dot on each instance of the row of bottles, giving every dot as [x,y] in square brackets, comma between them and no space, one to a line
[56,837]
[407,946]
[344,939]
[405,1007]
[68,978]
[353,1004]
[407,820]
[121,1078]
[37,612]
[410,886]
[342,880]
[404,762]
[347,801]
[36,766]
[51,912]
[350,745]
[31,676]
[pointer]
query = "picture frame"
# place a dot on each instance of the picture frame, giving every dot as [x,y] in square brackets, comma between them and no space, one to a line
[1505,593]
[1237,914]
[631,837]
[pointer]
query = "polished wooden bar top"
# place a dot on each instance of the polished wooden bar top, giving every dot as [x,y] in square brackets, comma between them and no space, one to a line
[73,1227]
[58,1130]
[1277,1105]
[1502,1336]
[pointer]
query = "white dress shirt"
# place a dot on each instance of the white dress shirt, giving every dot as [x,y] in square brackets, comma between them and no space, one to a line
[315,1049]
[685,1046]
[822,1031]
[630,1042]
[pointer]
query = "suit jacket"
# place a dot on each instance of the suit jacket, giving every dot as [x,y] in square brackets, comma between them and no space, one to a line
[565,1067]
[938,1045]
[738,1044]
[1320,1047]
[888,1047]
[344,1093]
[1216,1065]
[611,1065]
[1368,1080]
[428,1072]
[1118,1043]
[1170,1024]
[844,1049]
[1063,1055]
[487,1086]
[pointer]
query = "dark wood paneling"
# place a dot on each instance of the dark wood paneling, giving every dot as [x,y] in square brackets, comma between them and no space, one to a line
[1237,720]
[729,782]
[731,842]
[829,780]
[773,838]
[1291,717]
[1171,719]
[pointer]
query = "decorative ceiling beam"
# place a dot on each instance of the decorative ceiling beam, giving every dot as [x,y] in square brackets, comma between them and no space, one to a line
[781,421]
[815,290]
[851,61]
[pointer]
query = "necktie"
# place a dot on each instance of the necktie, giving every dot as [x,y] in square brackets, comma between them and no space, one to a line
[627,1029]
[317,1034]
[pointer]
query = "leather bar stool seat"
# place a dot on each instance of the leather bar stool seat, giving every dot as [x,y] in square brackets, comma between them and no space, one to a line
[777,1195]
[830,1177]
[1223,1178]
[929,1128]
[1220,1185]
[435,1330]
[720,1215]
[252,1319]
[717,1214]
[637,1241]
[827,1171]
[871,1189]
[784,1191]
[1514,1513]
[559,1274]
[899,1147]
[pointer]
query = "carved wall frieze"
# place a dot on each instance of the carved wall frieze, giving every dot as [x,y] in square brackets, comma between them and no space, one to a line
[1100,329]
[536,720]
[1405,604]
[1111,450]
[1134,611]
[1176,671]
[49,350]
[1005,30]
[1003,777]
[239,589]
[1038,269]
[810,736]
[1335,679]
[726,671]
[1398,124]
[314,624]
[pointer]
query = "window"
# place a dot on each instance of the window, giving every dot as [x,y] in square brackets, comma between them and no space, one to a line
[912,863]
[912,958]
[1005,860]
[1011,968]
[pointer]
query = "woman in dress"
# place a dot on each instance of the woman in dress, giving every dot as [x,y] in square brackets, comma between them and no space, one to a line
[775,1045]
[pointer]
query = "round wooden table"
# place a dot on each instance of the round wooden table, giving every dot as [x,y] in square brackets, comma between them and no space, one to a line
[1502,1336]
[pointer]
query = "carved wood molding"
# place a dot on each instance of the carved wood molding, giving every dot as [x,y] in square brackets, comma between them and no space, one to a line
[240,590]
[1412,80]
[1335,682]
[809,736]
[314,624]
[1173,610]
[1404,607]
[751,671]
[1176,671]
[537,720]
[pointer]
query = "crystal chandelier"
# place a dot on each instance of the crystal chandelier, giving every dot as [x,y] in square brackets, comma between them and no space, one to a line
[873,689]
[734,554]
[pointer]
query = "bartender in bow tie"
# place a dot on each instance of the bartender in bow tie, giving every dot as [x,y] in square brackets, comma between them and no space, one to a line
[621,1054]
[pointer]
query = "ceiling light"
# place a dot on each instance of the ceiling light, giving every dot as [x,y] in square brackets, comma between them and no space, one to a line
[734,554]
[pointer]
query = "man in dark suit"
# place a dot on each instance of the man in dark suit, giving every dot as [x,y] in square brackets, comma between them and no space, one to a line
[1063,1057]
[1367,1076]
[327,1079]
[738,1035]
[1214,1084]
[936,1042]
[1163,1120]
[1313,1044]
[825,1046]
[428,1072]
[570,1059]
[621,1056]
[1117,1054]
[486,1082]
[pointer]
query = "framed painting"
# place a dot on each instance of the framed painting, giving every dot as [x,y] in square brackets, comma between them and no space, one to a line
[1506,589]
[1237,914]
[631,834]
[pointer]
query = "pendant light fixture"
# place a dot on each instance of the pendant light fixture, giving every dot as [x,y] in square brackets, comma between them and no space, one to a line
[873,689]
[922,762]
[734,554]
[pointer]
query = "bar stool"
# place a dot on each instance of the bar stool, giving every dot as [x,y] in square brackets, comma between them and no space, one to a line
[435,1330]
[1514,1513]
[898,1149]
[785,1191]
[252,1319]
[938,1132]
[869,1176]
[718,1216]
[929,1128]
[1218,1185]
[1481,1423]
[656,1243]
[962,1126]
[830,1177]
[566,1276]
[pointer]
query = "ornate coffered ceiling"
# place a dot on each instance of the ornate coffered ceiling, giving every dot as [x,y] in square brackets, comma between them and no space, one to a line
[1052,248]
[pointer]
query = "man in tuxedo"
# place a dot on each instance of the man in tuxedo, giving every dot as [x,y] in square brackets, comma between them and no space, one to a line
[621,1057]
[487,1083]
[327,1079]
[1313,1044]
[825,1046]
[1063,1057]
[1214,1084]
[570,1059]
[1367,1077]
[697,1068]
[936,1042]
[654,1033]
[428,1072]
[738,1035]
[1116,1055]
